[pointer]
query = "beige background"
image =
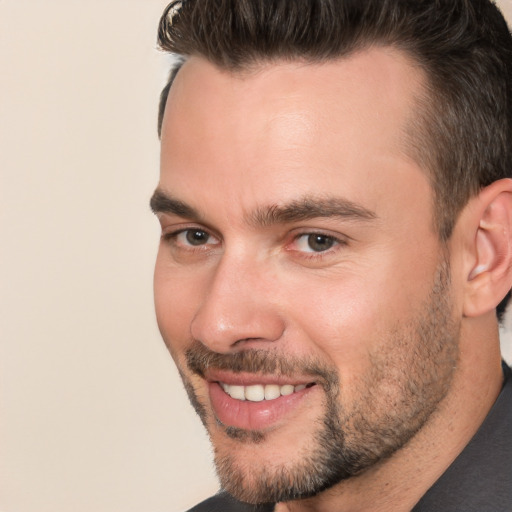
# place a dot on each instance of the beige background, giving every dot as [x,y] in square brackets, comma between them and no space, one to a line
[92,414]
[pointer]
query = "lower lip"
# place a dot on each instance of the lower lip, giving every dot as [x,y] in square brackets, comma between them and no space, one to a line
[249,415]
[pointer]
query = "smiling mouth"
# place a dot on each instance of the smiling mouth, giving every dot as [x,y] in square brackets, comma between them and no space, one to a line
[260,392]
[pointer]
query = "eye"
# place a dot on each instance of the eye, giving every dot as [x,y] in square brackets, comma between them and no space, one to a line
[190,238]
[315,242]
[193,237]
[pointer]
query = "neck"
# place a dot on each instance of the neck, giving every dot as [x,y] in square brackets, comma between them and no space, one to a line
[398,483]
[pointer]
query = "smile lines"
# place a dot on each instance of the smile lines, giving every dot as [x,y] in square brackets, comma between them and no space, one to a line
[260,392]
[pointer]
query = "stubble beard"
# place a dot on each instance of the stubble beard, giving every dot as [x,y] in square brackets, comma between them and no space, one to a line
[409,377]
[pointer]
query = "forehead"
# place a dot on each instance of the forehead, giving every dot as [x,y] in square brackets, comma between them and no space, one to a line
[285,125]
[382,78]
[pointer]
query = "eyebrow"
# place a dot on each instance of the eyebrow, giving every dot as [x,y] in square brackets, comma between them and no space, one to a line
[163,203]
[305,208]
[310,207]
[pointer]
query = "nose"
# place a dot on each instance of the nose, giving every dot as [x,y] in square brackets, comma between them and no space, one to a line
[239,306]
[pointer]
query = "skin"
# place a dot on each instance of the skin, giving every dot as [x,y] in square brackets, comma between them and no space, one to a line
[235,147]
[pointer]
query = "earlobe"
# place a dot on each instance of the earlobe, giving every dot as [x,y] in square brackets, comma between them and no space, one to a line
[490,276]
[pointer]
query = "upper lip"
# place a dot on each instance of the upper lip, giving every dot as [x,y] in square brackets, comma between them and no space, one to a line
[249,379]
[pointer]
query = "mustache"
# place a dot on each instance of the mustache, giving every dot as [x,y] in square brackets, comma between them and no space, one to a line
[200,359]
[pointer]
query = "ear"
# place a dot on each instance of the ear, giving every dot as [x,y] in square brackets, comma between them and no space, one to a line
[490,248]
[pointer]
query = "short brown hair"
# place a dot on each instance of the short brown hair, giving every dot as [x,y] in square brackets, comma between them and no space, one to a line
[463,132]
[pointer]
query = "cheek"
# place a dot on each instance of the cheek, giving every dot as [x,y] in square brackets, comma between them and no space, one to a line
[340,323]
[348,318]
[176,301]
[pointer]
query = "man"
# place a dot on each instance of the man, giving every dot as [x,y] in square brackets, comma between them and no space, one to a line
[336,223]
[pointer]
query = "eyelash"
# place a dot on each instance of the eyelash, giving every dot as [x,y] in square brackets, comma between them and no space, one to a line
[173,236]
[338,242]
[318,256]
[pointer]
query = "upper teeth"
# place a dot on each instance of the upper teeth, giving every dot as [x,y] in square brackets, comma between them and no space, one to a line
[259,392]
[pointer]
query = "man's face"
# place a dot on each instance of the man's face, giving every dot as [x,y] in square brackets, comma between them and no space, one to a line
[299,285]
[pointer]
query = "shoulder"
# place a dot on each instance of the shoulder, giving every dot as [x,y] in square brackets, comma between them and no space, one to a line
[480,479]
[223,502]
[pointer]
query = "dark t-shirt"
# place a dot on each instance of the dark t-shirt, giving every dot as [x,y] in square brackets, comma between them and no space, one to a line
[479,480]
